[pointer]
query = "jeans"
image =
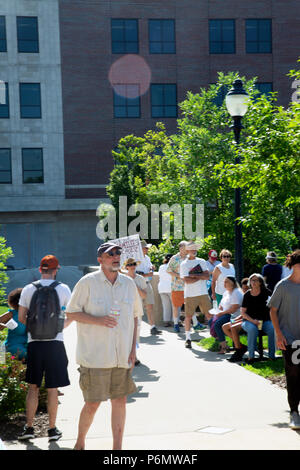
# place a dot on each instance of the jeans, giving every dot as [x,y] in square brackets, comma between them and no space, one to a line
[252,332]
[218,326]
[292,373]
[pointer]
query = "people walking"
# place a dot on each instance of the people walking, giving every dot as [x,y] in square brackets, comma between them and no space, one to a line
[106,306]
[194,272]
[41,308]
[177,284]
[164,290]
[212,262]
[285,315]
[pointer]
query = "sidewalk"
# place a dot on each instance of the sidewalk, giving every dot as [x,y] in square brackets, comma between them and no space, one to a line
[186,400]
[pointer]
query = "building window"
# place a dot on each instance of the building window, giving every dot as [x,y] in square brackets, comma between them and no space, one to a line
[126,101]
[32,160]
[222,36]
[4,100]
[162,37]
[164,100]
[264,88]
[5,166]
[258,36]
[124,36]
[30,101]
[3,45]
[28,35]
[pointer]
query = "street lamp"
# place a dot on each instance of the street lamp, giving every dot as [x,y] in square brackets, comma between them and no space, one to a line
[237,104]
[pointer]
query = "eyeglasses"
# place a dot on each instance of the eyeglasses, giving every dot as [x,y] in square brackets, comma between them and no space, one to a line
[114,253]
[131,264]
[226,256]
[254,280]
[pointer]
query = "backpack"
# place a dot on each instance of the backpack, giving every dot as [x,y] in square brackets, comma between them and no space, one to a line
[44,317]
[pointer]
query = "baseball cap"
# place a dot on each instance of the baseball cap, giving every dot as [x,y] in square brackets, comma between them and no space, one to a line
[192,246]
[183,243]
[106,247]
[213,254]
[49,262]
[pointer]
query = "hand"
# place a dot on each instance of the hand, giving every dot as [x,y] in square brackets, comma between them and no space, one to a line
[108,321]
[213,296]
[256,322]
[131,358]
[220,307]
[281,341]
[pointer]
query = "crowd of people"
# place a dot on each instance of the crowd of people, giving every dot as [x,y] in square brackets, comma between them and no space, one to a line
[108,306]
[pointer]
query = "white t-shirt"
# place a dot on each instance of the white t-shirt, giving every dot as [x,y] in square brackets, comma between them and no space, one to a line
[224,272]
[145,267]
[232,298]
[165,280]
[64,295]
[198,287]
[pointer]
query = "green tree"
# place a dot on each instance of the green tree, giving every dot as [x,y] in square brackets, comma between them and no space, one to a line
[5,253]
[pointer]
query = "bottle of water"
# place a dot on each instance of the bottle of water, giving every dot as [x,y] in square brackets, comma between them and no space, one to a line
[215,305]
[62,315]
[115,310]
[2,353]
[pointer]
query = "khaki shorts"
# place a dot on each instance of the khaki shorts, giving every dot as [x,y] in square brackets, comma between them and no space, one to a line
[103,384]
[149,300]
[177,297]
[201,301]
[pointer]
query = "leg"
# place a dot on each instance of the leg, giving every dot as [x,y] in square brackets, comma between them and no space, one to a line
[86,418]
[32,401]
[292,373]
[269,330]
[218,327]
[252,332]
[227,329]
[118,416]
[52,406]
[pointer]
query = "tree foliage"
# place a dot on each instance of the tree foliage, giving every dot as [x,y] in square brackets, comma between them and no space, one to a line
[5,253]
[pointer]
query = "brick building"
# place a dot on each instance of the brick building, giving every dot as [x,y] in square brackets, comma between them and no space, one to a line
[80,74]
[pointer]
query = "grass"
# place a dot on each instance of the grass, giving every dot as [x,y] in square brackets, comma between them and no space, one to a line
[266,369]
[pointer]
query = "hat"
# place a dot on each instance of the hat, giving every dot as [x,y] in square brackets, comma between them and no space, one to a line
[106,247]
[271,255]
[49,262]
[182,243]
[131,261]
[145,244]
[213,254]
[192,246]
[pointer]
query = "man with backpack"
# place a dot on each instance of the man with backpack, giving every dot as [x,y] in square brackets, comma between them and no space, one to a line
[41,308]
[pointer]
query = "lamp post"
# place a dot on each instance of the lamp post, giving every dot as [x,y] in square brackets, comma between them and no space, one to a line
[237,105]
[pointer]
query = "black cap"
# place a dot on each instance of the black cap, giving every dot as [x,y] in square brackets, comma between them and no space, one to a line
[106,247]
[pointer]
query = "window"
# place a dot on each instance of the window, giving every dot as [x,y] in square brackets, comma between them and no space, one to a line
[258,36]
[126,101]
[30,100]
[28,35]
[264,88]
[163,100]
[222,36]
[4,100]
[124,36]
[3,45]
[32,159]
[162,37]
[5,166]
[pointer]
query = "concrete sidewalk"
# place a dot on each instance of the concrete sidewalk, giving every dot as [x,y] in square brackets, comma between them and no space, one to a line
[186,400]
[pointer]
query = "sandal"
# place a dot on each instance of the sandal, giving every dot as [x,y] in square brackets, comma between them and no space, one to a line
[224,349]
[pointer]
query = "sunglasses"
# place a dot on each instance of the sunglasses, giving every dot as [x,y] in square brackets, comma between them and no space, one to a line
[226,256]
[131,264]
[114,253]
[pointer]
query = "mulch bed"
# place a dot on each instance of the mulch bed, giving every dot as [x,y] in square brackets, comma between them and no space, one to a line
[12,427]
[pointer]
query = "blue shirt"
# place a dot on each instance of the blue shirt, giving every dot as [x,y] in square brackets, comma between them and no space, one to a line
[16,342]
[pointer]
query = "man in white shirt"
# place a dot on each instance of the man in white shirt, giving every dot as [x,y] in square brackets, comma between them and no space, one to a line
[105,305]
[145,269]
[195,288]
[45,357]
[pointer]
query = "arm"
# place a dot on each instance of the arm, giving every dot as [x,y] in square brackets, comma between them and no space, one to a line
[132,355]
[247,317]
[88,319]
[142,293]
[233,308]
[22,314]
[281,340]
[215,275]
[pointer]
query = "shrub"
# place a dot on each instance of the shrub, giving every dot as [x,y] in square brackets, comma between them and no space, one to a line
[13,388]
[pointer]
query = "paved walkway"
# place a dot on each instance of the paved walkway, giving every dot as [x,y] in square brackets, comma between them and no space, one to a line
[186,399]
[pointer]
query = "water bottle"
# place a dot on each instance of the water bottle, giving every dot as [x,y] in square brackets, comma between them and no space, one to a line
[215,305]
[2,353]
[115,310]
[62,315]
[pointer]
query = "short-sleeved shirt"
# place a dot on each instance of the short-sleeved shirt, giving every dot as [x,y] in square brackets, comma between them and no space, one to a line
[272,273]
[256,305]
[286,299]
[177,284]
[64,295]
[99,346]
[165,280]
[145,267]
[232,298]
[196,288]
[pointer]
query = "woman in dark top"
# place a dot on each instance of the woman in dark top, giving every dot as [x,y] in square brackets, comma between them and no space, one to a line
[271,271]
[255,311]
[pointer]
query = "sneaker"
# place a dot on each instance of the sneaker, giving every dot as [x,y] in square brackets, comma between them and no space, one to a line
[28,433]
[176,328]
[238,355]
[294,420]
[188,344]
[54,434]
[199,327]
[155,331]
